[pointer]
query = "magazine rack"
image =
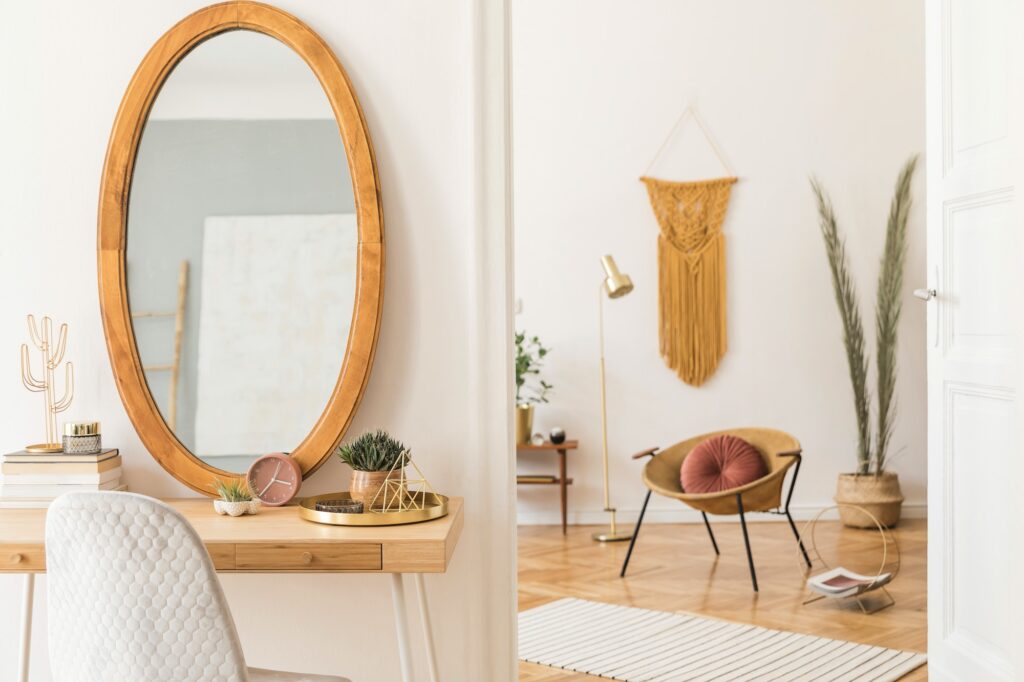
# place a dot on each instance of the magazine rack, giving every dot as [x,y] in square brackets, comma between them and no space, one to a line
[859,585]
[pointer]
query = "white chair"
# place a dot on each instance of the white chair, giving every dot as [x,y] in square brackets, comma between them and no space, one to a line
[132,596]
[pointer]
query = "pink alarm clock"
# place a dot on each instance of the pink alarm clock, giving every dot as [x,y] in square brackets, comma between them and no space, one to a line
[274,479]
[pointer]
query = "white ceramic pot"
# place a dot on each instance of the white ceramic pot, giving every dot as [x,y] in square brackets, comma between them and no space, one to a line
[236,508]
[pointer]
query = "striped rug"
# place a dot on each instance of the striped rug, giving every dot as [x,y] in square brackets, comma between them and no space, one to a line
[634,645]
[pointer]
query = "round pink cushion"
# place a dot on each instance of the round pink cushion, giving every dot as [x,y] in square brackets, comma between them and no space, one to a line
[721,463]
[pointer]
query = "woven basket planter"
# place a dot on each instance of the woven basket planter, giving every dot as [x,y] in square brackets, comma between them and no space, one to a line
[879,495]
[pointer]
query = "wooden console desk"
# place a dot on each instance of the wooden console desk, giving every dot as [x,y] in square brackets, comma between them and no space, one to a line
[562,480]
[276,540]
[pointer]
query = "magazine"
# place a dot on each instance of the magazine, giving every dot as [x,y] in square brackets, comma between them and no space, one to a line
[842,582]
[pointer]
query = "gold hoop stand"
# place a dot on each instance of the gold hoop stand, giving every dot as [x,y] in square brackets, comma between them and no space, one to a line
[887,538]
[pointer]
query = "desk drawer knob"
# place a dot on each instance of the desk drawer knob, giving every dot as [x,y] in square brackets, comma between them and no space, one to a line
[16,558]
[307,558]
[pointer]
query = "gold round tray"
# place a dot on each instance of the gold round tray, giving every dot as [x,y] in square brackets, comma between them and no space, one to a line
[436,506]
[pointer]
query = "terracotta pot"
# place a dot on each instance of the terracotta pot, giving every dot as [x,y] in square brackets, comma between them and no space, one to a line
[364,486]
[524,424]
[879,495]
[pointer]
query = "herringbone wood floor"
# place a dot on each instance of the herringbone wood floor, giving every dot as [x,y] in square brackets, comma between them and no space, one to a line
[674,569]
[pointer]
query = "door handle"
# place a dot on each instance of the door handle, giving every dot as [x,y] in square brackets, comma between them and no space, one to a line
[925,294]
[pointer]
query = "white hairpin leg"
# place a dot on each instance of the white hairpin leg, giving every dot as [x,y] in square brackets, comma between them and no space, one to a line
[428,634]
[401,626]
[27,598]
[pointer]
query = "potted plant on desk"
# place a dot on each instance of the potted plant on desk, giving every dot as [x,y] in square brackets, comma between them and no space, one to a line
[871,486]
[371,456]
[235,498]
[530,388]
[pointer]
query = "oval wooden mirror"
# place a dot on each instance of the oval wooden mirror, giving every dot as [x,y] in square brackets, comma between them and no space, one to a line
[240,245]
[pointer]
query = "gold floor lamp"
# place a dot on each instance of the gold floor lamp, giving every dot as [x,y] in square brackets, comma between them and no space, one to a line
[614,285]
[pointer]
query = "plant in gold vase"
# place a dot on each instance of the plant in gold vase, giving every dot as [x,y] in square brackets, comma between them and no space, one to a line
[871,486]
[371,456]
[530,388]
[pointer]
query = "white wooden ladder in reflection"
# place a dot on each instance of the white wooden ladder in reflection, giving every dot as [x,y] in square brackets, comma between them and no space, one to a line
[179,330]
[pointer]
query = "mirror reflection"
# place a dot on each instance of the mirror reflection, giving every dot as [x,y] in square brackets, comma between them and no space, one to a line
[241,249]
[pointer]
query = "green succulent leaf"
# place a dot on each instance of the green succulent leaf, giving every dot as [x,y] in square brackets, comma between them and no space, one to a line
[233,490]
[374,451]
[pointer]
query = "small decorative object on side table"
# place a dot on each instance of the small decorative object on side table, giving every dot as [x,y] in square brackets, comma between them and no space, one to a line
[562,481]
[372,456]
[340,506]
[51,355]
[235,499]
[400,499]
[530,388]
[274,479]
[82,438]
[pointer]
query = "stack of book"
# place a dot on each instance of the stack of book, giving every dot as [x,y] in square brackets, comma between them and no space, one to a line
[34,479]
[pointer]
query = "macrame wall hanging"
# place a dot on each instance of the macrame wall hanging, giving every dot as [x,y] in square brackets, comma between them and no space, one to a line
[691,264]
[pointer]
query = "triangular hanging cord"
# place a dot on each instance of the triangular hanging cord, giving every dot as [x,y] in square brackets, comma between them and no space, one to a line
[691,265]
[691,112]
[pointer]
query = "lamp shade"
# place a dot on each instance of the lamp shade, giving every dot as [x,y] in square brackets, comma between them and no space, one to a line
[616,284]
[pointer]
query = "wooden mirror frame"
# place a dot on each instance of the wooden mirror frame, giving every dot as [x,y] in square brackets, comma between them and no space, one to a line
[131,118]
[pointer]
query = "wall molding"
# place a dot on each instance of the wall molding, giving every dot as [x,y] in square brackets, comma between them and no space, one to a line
[488,287]
[588,517]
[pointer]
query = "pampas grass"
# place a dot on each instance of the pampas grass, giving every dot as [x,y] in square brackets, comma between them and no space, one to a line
[853,327]
[888,307]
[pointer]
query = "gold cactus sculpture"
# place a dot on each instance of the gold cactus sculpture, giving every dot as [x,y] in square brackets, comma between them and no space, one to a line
[42,338]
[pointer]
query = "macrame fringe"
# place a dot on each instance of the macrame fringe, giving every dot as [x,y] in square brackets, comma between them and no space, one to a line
[691,310]
[691,274]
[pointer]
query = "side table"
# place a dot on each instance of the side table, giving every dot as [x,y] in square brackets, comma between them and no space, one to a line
[562,480]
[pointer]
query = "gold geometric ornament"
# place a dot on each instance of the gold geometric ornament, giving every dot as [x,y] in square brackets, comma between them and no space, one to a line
[401,493]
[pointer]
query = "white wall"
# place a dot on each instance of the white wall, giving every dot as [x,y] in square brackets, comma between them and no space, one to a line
[790,88]
[63,70]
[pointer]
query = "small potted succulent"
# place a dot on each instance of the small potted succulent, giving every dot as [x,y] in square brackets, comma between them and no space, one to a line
[235,498]
[372,456]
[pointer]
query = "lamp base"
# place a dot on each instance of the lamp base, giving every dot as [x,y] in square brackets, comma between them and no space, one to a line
[606,536]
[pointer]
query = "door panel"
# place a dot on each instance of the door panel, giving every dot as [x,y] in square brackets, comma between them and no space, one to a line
[977,274]
[979,423]
[973,410]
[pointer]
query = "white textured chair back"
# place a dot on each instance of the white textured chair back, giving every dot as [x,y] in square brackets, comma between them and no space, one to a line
[132,595]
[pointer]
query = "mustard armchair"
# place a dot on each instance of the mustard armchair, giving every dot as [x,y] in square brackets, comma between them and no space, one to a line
[781,452]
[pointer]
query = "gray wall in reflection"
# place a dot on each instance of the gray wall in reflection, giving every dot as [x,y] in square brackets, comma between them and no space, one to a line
[187,170]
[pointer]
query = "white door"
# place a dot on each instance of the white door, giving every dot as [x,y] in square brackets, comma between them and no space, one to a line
[974,488]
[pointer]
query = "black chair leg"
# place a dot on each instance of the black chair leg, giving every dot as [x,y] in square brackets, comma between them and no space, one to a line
[746,540]
[710,534]
[636,532]
[799,540]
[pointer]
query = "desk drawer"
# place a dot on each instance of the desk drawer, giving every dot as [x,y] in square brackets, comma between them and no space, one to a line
[308,557]
[17,559]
